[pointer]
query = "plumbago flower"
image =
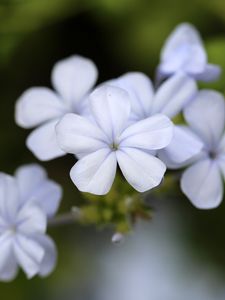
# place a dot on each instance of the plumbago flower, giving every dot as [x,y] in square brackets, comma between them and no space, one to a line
[184,51]
[202,181]
[26,200]
[107,139]
[169,99]
[72,78]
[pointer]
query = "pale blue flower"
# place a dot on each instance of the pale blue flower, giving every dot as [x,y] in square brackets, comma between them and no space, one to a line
[40,107]
[202,181]
[184,51]
[169,99]
[106,140]
[26,201]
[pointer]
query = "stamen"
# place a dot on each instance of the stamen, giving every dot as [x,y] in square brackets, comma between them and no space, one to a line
[114,146]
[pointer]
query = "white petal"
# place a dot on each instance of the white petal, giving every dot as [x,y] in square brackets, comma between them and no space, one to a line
[5,250]
[171,164]
[42,142]
[190,59]
[9,197]
[29,254]
[73,78]
[31,219]
[9,272]
[210,73]
[183,34]
[38,105]
[183,51]
[95,172]
[111,109]
[49,260]
[221,164]
[206,116]
[152,133]
[140,90]
[35,187]
[8,263]
[184,145]
[202,184]
[174,94]
[77,135]
[141,170]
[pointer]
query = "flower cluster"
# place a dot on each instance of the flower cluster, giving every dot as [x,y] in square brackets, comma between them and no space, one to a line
[27,200]
[125,122]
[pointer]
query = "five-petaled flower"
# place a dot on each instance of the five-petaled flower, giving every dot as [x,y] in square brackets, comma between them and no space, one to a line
[202,181]
[72,78]
[184,51]
[107,138]
[26,200]
[169,99]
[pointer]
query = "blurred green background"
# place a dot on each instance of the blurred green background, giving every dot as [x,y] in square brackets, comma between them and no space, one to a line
[120,36]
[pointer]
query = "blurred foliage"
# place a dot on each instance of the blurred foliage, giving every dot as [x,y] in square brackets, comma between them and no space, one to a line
[119,35]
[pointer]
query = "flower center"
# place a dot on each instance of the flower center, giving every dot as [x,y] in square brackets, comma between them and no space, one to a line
[212,154]
[114,146]
[12,229]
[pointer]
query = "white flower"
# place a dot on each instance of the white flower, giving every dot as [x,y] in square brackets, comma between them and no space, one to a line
[169,99]
[108,139]
[34,186]
[23,220]
[202,181]
[184,51]
[72,78]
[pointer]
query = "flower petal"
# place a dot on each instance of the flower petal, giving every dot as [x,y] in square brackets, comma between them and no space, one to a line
[10,270]
[210,73]
[9,197]
[95,172]
[5,250]
[190,59]
[77,135]
[42,142]
[49,260]
[140,90]
[152,133]
[29,254]
[37,106]
[184,33]
[8,263]
[111,109]
[174,94]
[202,184]
[141,170]
[183,51]
[184,145]
[31,219]
[73,78]
[35,187]
[221,164]
[206,116]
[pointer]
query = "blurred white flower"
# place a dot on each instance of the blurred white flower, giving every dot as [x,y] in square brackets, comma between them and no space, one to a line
[107,139]
[25,202]
[169,99]
[184,51]
[202,182]
[72,78]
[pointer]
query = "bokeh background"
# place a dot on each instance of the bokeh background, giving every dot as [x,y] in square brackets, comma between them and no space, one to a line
[180,253]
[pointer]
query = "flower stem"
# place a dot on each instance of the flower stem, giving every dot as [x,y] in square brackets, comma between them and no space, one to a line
[67,218]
